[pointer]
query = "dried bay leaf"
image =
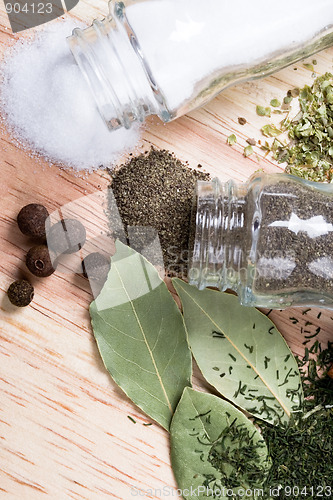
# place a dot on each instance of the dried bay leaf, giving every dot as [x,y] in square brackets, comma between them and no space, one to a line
[141,336]
[241,353]
[214,446]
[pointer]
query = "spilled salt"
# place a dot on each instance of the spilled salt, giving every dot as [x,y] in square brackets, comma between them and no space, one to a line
[47,105]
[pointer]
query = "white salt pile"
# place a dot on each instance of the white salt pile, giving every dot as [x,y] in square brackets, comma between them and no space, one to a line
[47,105]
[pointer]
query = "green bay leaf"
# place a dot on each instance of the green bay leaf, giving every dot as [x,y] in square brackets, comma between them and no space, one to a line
[241,353]
[141,336]
[214,446]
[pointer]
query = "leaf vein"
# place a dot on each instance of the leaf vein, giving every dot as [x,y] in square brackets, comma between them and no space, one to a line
[146,342]
[283,406]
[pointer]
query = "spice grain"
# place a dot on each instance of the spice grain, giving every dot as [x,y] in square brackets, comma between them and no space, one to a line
[31,220]
[20,293]
[39,262]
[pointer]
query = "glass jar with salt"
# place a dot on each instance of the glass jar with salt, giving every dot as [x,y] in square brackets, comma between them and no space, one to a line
[168,57]
[270,240]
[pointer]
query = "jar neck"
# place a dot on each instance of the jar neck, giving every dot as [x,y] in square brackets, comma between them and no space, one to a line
[217,256]
[109,57]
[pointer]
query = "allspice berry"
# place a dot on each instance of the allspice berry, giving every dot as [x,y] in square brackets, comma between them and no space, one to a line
[20,293]
[32,219]
[66,236]
[39,262]
[96,267]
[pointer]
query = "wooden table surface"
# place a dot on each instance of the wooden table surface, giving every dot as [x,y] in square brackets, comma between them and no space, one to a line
[64,427]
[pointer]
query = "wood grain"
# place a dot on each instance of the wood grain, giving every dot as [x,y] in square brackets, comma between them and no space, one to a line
[64,429]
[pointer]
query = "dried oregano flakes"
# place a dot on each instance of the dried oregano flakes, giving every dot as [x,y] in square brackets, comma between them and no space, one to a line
[308,151]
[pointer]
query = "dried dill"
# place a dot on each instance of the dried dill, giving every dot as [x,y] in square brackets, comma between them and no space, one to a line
[301,451]
[236,454]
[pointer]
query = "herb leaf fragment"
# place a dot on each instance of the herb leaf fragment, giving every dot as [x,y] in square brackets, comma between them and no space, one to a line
[275,103]
[232,139]
[262,111]
[248,151]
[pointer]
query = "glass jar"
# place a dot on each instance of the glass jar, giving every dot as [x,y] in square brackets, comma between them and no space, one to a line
[270,240]
[168,57]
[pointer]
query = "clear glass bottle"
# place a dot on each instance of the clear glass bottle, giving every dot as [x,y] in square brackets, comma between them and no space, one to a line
[270,240]
[168,57]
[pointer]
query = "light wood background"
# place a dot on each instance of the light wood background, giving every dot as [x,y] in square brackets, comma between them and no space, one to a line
[64,431]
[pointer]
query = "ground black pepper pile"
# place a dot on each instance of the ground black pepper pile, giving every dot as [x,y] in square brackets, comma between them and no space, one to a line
[155,189]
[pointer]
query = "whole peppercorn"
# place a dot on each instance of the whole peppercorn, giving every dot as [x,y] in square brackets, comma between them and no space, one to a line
[20,293]
[31,220]
[96,267]
[66,236]
[39,262]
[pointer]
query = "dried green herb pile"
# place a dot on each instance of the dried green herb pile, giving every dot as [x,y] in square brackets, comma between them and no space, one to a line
[155,189]
[244,460]
[309,150]
[301,451]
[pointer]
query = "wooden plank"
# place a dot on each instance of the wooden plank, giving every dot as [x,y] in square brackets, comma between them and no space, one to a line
[63,422]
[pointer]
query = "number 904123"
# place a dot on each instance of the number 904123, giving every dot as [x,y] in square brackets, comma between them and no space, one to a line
[29,8]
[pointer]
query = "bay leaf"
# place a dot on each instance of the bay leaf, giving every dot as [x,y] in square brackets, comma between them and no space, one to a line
[241,353]
[214,447]
[141,336]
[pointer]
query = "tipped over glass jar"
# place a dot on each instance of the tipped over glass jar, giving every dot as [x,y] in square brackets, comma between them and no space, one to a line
[270,240]
[168,57]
